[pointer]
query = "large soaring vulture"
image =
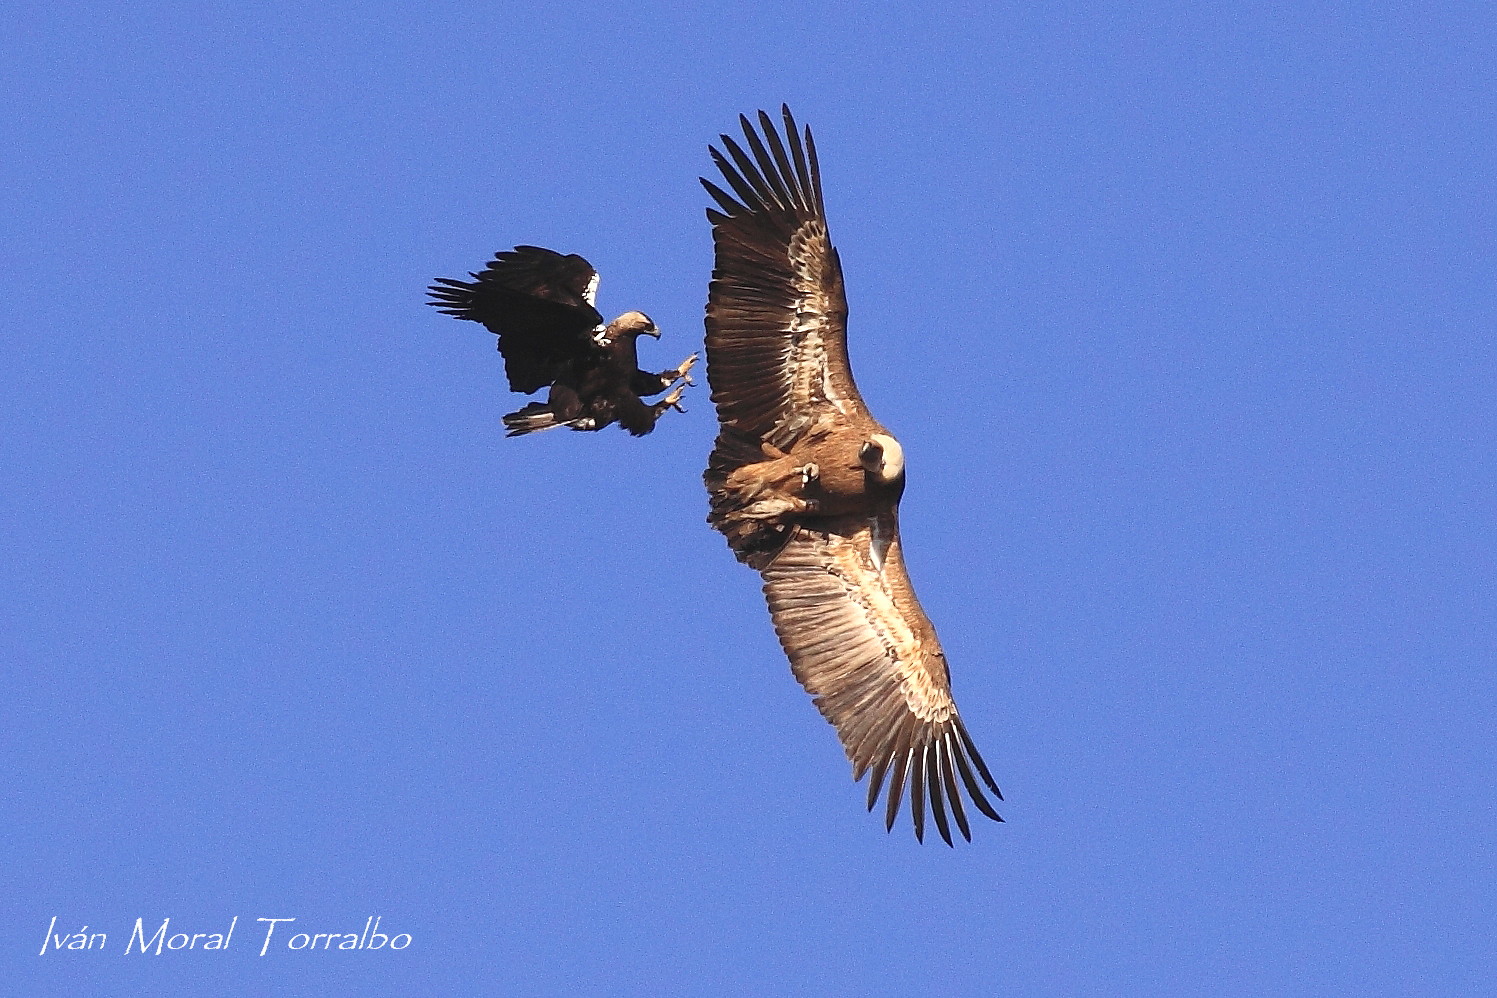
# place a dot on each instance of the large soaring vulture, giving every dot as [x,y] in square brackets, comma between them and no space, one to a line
[551,335]
[805,485]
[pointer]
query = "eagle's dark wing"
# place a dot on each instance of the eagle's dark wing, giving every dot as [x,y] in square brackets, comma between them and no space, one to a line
[776,315]
[538,301]
[860,643]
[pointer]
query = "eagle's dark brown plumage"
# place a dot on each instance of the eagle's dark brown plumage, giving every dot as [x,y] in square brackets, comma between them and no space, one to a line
[805,485]
[541,305]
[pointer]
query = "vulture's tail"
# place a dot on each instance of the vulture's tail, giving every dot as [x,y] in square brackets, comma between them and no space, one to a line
[538,416]
[755,534]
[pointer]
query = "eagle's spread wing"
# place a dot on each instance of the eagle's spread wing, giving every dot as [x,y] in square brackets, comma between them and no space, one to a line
[539,302]
[859,642]
[776,315]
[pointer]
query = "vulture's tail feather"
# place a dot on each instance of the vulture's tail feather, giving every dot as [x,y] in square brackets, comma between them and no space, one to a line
[756,538]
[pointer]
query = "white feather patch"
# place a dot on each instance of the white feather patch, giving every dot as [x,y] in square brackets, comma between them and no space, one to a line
[880,546]
[807,252]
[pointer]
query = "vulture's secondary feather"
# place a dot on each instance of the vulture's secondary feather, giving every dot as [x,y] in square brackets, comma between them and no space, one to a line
[805,485]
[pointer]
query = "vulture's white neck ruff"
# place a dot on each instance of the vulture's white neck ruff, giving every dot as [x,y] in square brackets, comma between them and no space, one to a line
[884,460]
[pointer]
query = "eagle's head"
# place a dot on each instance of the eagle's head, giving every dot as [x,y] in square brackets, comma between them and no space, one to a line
[633,324]
[882,458]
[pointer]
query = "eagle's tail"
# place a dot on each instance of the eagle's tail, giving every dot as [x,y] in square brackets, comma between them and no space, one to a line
[539,416]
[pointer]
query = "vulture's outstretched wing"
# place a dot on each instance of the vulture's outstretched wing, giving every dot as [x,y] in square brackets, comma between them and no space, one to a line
[776,315]
[539,302]
[860,643]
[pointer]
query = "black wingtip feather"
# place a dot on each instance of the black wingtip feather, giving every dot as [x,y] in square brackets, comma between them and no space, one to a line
[948,780]
[896,790]
[749,200]
[976,757]
[933,787]
[754,191]
[454,298]
[917,797]
[798,155]
[726,203]
[768,170]
[815,168]
[974,789]
[876,781]
[797,198]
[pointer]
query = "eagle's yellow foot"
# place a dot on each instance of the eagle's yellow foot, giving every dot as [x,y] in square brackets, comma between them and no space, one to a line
[683,368]
[673,400]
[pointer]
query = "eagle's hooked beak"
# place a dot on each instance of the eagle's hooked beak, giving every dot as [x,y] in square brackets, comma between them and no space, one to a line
[652,331]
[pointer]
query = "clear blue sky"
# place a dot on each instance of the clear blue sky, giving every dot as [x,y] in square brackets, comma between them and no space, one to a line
[1184,314]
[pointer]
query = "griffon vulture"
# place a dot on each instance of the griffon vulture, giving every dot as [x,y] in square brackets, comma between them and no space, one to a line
[541,304]
[805,485]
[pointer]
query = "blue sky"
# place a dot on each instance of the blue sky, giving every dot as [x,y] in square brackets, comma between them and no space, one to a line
[1184,315]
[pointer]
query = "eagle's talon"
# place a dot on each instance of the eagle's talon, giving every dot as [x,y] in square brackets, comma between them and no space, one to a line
[673,400]
[809,473]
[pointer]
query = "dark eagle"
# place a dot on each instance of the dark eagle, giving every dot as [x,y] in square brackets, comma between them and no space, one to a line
[541,304]
[805,485]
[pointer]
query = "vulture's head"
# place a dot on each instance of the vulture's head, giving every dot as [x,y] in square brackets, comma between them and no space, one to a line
[633,324]
[883,459]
